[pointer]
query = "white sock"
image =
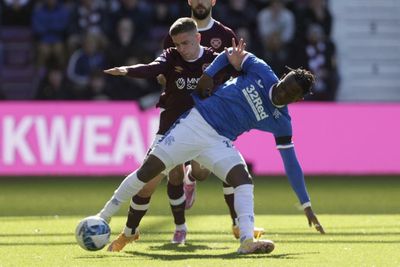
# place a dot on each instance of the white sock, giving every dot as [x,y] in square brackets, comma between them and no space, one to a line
[129,187]
[244,207]
[228,190]
[180,227]
[128,231]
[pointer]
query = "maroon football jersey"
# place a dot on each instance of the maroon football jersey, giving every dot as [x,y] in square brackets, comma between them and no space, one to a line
[182,77]
[217,37]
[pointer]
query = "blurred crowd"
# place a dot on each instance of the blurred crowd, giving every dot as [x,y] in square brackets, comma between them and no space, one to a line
[74,41]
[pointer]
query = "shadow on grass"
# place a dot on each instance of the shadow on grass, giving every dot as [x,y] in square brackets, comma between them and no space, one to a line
[187,247]
[191,248]
[201,255]
[177,257]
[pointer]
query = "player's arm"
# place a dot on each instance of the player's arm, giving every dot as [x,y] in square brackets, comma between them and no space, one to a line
[233,56]
[151,70]
[296,178]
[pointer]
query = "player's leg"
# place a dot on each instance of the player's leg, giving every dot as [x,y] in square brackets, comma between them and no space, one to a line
[240,179]
[227,163]
[193,172]
[131,185]
[177,202]
[137,209]
[196,172]
[140,204]
[173,149]
[230,200]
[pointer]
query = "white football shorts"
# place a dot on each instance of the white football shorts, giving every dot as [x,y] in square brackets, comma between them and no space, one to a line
[193,138]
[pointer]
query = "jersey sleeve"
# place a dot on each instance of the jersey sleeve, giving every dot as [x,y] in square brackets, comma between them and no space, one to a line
[220,62]
[295,175]
[234,35]
[283,142]
[252,64]
[158,66]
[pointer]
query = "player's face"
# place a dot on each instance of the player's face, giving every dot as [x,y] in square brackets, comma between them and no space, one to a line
[288,90]
[187,44]
[201,9]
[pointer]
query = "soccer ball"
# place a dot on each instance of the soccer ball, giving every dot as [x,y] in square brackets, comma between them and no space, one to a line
[92,233]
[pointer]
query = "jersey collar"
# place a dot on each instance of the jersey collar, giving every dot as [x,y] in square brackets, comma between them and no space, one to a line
[199,56]
[209,25]
[270,97]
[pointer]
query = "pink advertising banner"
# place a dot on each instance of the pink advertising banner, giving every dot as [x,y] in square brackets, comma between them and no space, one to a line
[112,138]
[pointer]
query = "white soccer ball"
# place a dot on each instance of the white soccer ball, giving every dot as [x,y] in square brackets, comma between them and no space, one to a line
[92,233]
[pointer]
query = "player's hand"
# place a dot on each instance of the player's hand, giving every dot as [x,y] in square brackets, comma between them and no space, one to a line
[236,54]
[161,80]
[312,220]
[117,71]
[205,86]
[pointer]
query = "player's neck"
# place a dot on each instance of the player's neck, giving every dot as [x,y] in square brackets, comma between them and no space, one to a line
[274,99]
[198,54]
[204,23]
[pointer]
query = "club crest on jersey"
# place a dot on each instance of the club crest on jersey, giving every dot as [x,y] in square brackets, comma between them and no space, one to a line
[178,69]
[204,67]
[180,83]
[169,140]
[276,114]
[216,43]
[228,143]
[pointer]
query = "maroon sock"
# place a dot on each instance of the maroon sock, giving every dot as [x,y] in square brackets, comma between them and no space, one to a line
[175,193]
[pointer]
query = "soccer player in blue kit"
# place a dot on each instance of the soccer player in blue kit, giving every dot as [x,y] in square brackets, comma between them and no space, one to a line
[255,100]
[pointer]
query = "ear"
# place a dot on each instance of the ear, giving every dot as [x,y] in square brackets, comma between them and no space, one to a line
[213,2]
[189,3]
[198,37]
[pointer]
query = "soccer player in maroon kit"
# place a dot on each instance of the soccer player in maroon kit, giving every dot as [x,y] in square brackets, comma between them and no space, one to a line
[217,36]
[182,66]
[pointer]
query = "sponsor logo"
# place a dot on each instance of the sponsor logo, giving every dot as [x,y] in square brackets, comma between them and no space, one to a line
[188,83]
[180,83]
[259,83]
[255,102]
[216,43]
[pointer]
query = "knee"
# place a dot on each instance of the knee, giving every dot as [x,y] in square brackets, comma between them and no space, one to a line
[200,174]
[238,176]
[150,168]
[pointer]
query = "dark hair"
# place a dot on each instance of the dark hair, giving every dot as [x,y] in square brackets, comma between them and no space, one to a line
[304,78]
[183,25]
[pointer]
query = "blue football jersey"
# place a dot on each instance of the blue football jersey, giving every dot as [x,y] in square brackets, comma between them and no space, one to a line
[244,103]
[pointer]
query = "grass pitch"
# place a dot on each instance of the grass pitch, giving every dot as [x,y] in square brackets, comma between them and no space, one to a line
[361,216]
[352,240]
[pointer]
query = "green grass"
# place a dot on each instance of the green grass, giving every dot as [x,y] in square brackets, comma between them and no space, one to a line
[273,195]
[360,214]
[352,240]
